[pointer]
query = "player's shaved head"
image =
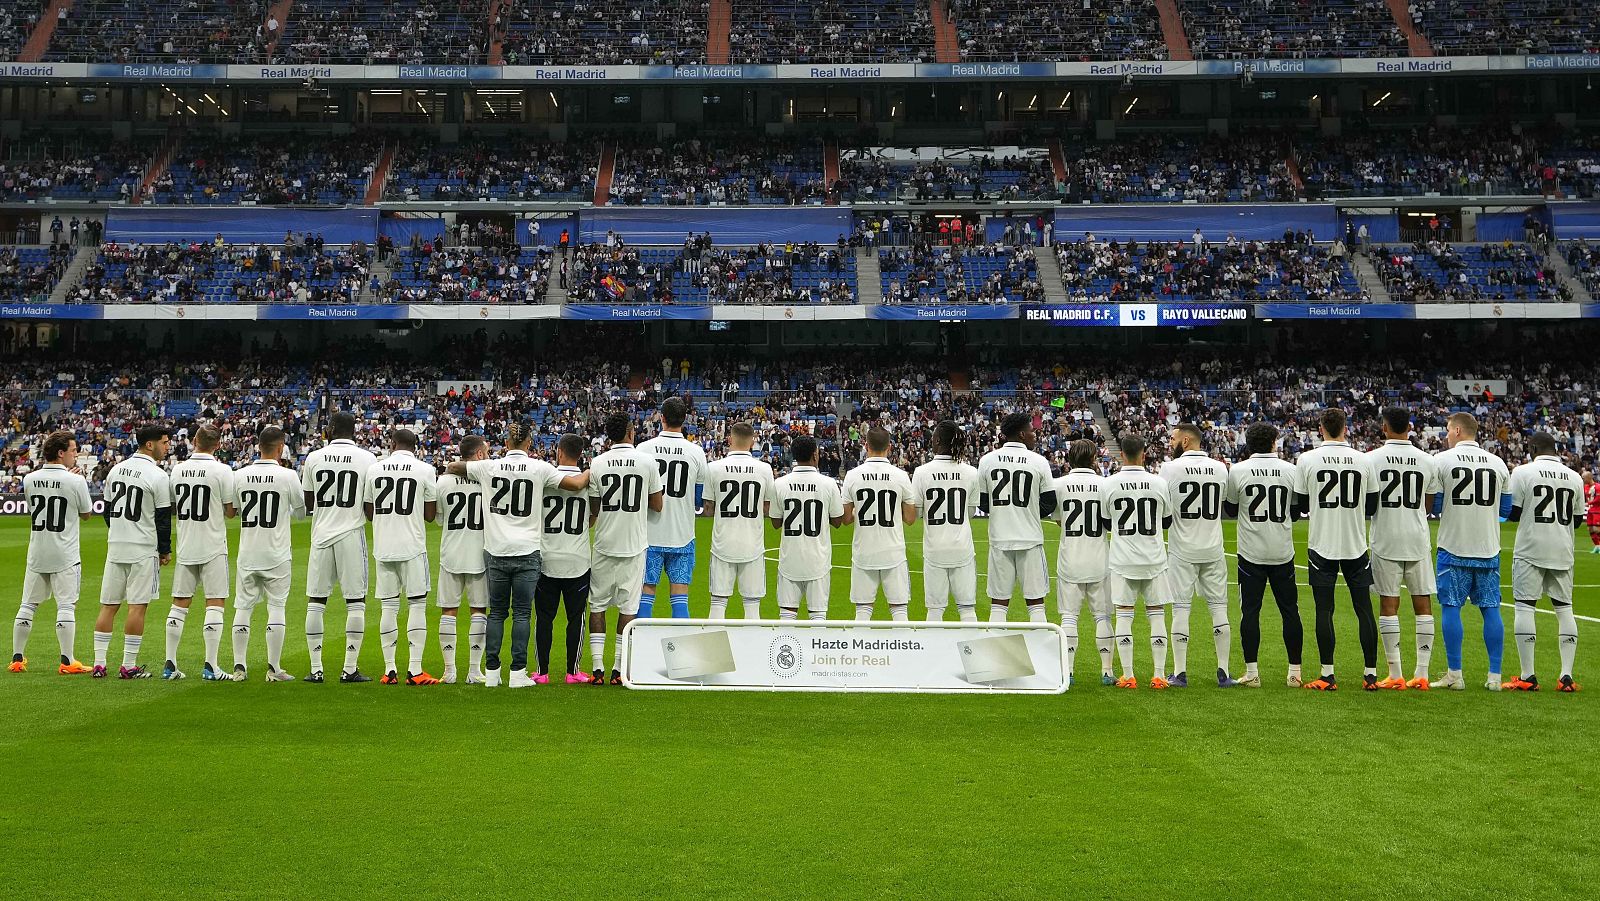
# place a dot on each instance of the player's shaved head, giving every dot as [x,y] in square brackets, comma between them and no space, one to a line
[741,436]
[270,442]
[1081,454]
[474,447]
[341,425]
[1466,423]
[804,450]
[1397,421]
[948,438]
[673,412]
[519,434]
[1332,423]
[57,444]
[1261,438]
[206,439]
[1132,447]
[877,440]
[569,450]
[619,426]
[1543,444]
[403,440]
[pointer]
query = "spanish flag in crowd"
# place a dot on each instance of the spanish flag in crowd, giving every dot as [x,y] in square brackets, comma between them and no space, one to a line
[612,286]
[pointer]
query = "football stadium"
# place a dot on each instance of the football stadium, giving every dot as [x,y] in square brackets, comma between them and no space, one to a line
[807,448]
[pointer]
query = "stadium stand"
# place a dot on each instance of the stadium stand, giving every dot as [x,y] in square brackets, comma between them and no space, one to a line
[270,169]
[1417,161]
[1175,168]
[1438,271]
[78,165]
[987,273]
[944,173]
[653,32]
[831,31]
[1093,270]
[725,171]
[296,272]
[505,168]
[17,18]
[1584,258]
[395,31]
[701,272]
[1478,27]
[195,31]
[31,273]
[1015,30]
[440,274]
[1252,29]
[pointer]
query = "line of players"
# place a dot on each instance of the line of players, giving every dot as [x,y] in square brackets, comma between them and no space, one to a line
[521,535]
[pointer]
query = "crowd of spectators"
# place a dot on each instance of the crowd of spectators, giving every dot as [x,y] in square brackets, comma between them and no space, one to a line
[1433,159]
[582,32]
[1251,29]
[508,168]
[1436,270]
[831,31]
[301,270]
[726,171]
[389,32]
[700,272]
[80,165]
[189,31]
[1293,269]
[31,273]
[1172,168]
[1584,259]
[1081,30]
[1492,27]
[270,169]
[885,174]
[499,271]
[995,272]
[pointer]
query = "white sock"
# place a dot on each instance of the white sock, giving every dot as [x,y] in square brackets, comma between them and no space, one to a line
[998,610]
[934,615]
[788,613]
[102,646]
[752,609]
[241,638]
[1294,670]
[863,612]
[1124,639]
[1389,632]
[1251,671]
[22,629]
[1424,645]
[1180,638]
[1038,614]
[1103,642]
[719,608]
[967,613]
[211,632]
[175,620]
[130,649]
[597,650]
[389,631]
[447,642]
[1566,636]
[1158,640]
[1525,633]
[67,630]
[819,613]
[899,613]
[277,631]
[314,614]
[1327,670]
[1221,635]
[477,627]
[1069,624]
[355,630]
[416,633]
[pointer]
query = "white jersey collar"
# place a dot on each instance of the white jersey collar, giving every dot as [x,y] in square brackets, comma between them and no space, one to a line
[201,455]
[667,434]
[1016,444]
[516,453]
[799,468]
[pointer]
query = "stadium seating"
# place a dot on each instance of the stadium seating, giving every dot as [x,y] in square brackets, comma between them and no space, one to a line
[393,31]
[17,18]
[468,275]
[1412,162]
[1227,270]
[1478,27]
[699,273]
[493,169]
[988,273]
[1584,258]
[196,31]
[78,165]
[831,31]
[1016,30]
[219,273]
[31,273]
[720,172]
[1172,168]
[945,173]
[1436,271]
[1250,29]
[580,32]
[270,169]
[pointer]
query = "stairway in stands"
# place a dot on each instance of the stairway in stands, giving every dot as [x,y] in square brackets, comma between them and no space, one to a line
[279,10]
[1172,30]
[1415,40]
[869,281]
[719,24]
[1367,277]
[39,39]
[602,179]
[946,36]
[380,175]
[1055,290]
[159,163]
[73,274]
[497,42]
[830,168]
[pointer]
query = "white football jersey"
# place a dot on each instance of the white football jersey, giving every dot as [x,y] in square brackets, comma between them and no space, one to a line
[877,488]
[565,553]
[202,488]
[1263,486]
[1406,476]
[398,487]
[1081,511]
[513,499]
[461,544]
[682,467]
[332,475]
[738,488]
[57,499]
[803,502]
[623,478]
[946,494]
[269,499]
[1473,481]
[1336,479]
[1014,479]
[1197,483]
[1550,496]
[135,489]
[1137,506]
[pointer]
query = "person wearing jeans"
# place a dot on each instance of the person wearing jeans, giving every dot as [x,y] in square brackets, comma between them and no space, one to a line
[512,583]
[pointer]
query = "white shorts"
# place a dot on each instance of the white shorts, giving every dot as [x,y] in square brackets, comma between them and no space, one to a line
[1126,592]
[750,578]
[343,563]
[1416,575]
[814,593]
[894,580]
[1008,569]
[1530,582]
[408,578]
[453,585]
[62,585]
[616,582]
[941,583]
[273,584]
[1209,580]
[211,577]
[1070,596]
[131,583]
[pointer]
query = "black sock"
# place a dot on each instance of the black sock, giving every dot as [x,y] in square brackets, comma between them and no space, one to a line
[1322,596]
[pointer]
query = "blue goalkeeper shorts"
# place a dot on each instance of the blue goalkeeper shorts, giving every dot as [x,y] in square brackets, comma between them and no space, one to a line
[677,562]
[1468,580]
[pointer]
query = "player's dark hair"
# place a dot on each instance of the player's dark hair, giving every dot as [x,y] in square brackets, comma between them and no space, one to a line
[1332,422]
[1397,419]
[804,449]
[1260,438]
[1193,431]
[1543,444]
[948,438]
[271,437]
[152,432]
[341,425]
[57,444]
[877,440]
[673,412]
[617,425]
[572,447]
[471,444]
[1014,425]
[1132,446]
[403,439]
[519,433]
[1082,453]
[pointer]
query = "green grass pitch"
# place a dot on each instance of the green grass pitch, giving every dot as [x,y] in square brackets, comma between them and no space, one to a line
[197,790]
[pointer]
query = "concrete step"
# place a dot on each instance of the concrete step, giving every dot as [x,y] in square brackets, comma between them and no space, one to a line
[1050,275]
[81,261]
[869,280]
[1367,277]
